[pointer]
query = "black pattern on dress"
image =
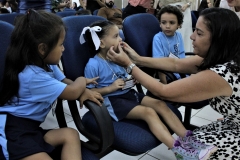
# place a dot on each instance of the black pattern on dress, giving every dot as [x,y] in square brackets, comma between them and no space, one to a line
[225,134]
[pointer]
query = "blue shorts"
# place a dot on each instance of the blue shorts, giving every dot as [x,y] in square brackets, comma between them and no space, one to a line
[24,138]
[123,104]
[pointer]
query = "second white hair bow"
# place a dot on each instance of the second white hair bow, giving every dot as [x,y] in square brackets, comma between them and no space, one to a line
[94,35]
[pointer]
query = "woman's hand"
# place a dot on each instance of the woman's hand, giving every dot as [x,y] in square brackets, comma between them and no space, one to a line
[134,57]
[121,57]
[92,80]
[92,96]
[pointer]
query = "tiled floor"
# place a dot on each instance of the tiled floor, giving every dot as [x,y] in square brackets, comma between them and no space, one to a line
[199,117]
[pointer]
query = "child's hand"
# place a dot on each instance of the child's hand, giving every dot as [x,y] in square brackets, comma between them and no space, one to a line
[92,81]
[134,80]
[91,95]
[118,84]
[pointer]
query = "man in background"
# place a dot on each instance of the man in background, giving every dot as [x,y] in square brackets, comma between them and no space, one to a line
[111,13]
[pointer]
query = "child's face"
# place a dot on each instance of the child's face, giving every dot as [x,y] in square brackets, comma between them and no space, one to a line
[55,55]
[112,38]
[169,23]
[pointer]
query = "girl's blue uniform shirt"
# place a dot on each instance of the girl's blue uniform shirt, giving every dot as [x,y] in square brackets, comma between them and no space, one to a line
[38,90]
[108,72]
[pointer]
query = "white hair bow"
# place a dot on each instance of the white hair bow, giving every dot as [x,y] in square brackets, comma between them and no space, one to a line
[94,35]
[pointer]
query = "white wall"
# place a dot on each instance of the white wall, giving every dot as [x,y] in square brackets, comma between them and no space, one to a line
[77,1]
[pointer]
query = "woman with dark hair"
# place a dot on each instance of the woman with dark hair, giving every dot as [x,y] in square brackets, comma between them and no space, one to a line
[215,76]
[74,6]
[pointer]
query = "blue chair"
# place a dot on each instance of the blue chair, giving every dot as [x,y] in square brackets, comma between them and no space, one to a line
[131,137]
[66,13]
[9,17]
[74,60]
[139,30]
[5,34]
[95,12]
[24,5]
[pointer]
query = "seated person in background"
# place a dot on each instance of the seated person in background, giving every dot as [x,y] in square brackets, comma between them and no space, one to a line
[82,4]
[204,4]
[3,10]
[125,103]
[169,42]
[83,12]
[93,5]
[138,6]
[74,6]
[10,5]
[60,5]
[110,13]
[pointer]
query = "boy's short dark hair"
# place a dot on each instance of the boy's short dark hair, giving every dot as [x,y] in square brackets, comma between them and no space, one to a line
[171,9]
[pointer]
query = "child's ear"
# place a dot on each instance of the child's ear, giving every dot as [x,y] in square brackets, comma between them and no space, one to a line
[42,49]
[102,45]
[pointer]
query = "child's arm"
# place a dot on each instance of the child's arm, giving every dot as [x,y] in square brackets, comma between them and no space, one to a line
[118,84]
[73,89]
[77,89]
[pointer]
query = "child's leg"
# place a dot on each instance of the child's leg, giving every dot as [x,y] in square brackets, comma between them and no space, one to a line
[38,156]
[156,126]
[169,117]
[70,140]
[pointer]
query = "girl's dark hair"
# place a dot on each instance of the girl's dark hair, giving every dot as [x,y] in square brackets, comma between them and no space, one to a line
[171,9]
[224,26]
[30,30]
[105,25]
[203,5]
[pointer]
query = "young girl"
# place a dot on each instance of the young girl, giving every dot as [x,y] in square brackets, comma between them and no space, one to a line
[30,85]
[124,102]
[168,42]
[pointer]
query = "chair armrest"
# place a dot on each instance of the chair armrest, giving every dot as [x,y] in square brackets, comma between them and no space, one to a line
[102,118]
[60,114]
